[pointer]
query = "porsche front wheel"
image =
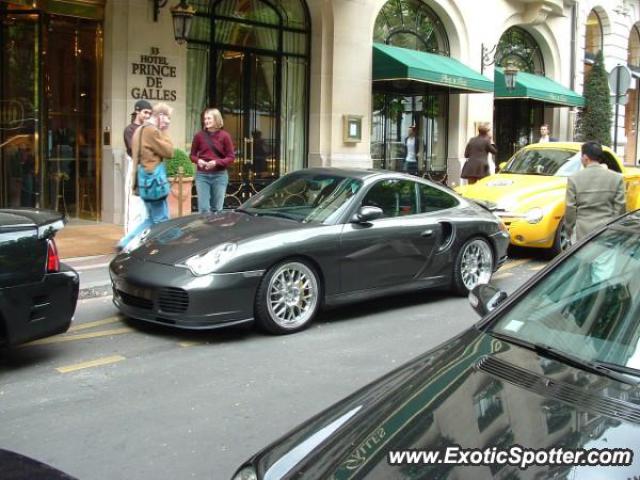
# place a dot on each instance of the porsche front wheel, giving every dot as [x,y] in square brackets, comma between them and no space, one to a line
[288,297]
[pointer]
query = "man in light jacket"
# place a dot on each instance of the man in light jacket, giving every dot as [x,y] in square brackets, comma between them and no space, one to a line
[595,195]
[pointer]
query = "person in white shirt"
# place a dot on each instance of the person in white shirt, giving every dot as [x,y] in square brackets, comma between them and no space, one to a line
[544,134]
[411,146]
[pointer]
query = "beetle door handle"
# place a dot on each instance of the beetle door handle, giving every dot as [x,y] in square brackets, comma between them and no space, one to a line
[427,233]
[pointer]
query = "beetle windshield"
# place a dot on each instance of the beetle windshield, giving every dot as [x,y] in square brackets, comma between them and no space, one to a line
[589,305]
[305,197]
[545,161]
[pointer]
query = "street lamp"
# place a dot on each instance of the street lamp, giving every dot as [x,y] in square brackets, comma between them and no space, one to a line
[182,16]
[510,73]
[488,57]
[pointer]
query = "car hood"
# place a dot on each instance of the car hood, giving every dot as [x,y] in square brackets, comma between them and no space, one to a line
[174,241]
[511,192]
[474,391]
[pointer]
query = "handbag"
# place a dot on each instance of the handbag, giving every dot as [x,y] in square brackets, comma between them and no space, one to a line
[212,146]
[152,186]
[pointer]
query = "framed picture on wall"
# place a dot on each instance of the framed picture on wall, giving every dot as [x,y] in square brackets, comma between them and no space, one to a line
[352,128]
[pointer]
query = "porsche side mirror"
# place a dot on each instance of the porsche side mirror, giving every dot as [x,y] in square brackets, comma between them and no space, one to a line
[502,165]
[366,214]
[486,298]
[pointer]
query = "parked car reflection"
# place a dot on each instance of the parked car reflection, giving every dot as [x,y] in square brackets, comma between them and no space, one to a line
[557,365]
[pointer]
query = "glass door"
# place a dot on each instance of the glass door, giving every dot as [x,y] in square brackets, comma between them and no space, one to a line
[71,95]
[247,94]
[20,166]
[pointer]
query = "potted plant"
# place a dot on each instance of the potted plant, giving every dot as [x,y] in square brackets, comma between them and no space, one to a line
[181,184]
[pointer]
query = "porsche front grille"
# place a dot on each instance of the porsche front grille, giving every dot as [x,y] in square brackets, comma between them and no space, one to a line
[173,300]
[134,301]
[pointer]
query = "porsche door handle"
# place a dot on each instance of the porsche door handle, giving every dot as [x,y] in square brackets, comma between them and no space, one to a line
[427,233]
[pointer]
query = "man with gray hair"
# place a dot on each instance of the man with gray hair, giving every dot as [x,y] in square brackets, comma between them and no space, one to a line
[595,195]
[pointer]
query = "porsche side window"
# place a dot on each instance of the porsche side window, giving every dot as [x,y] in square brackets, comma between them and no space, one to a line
[395,197]
[433,199]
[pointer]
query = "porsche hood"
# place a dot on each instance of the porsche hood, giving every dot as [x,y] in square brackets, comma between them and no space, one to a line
[174,241]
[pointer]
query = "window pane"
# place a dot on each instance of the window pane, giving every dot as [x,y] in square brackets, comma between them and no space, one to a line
[295,43]
[395,197]
[433,199]
[243,35]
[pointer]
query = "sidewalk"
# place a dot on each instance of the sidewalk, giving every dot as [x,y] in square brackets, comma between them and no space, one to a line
[88,239]
[88,248]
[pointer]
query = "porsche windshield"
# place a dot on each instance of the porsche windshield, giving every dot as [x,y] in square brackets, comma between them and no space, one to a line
[589,305]
[305,197]
[544,161]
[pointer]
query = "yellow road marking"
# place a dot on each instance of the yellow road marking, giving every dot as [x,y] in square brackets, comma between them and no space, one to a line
[513,264]
[80,336]
[190,344]
[502,275]
[537,267]
[92,363]
[97,323]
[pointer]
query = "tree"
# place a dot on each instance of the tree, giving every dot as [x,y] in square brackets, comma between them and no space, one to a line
[594,119]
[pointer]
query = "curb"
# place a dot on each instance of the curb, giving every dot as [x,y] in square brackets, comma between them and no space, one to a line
[94,292]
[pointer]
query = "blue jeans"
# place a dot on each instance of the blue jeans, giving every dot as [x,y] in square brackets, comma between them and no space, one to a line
[211,188]
[411,167]
[158,212]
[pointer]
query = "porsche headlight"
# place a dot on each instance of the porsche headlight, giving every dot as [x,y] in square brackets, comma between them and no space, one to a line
[205,263]
[246,473]
[534,215]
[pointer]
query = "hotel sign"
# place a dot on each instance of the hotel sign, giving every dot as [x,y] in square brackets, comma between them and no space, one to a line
[153,69]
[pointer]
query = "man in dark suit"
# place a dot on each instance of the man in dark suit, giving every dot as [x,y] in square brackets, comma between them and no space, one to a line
[595,194]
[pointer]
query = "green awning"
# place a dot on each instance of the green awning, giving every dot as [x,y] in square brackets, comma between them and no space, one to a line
[400,70]
[538,88]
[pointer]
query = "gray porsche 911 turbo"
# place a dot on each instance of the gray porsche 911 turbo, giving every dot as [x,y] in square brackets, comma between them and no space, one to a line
[315,237]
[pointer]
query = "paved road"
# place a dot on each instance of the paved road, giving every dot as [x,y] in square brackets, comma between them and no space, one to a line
[114,399]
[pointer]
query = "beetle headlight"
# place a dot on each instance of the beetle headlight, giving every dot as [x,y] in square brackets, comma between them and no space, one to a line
[246,473]
[534,215]
[205,263]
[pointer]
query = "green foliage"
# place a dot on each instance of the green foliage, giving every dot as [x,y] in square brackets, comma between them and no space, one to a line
[594,119]
[180,159]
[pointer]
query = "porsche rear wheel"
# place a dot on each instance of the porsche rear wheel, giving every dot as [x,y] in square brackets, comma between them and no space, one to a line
[288,297]
[473,265]
[561,241]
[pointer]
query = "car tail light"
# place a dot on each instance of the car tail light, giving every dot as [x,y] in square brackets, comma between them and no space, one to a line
[53,259]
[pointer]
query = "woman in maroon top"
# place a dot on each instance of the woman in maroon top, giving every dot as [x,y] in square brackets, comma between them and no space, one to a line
[212,151]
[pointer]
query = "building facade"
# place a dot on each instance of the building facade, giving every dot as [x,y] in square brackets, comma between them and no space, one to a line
[299,82]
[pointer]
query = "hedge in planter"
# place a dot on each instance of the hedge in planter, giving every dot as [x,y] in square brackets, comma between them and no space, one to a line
[180,159]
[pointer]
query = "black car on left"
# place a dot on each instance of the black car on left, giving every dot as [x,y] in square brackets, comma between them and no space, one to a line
[38,293]
[315,237]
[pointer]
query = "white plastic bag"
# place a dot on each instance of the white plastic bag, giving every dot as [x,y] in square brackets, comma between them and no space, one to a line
[135,211]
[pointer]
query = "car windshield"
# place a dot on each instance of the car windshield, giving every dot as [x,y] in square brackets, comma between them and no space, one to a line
[544,161]
[588,306]
[305,197]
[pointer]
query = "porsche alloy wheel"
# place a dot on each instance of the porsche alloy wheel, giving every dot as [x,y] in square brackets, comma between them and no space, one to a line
[474,265]
[288,297]
[561,240]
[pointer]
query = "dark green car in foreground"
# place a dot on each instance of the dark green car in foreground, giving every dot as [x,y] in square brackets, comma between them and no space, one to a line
[545,386]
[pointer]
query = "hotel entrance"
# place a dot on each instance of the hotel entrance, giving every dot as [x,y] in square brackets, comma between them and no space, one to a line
[251,61]
[49,106]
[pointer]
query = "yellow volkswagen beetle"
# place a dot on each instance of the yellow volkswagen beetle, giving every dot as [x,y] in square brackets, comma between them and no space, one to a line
[529,192]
